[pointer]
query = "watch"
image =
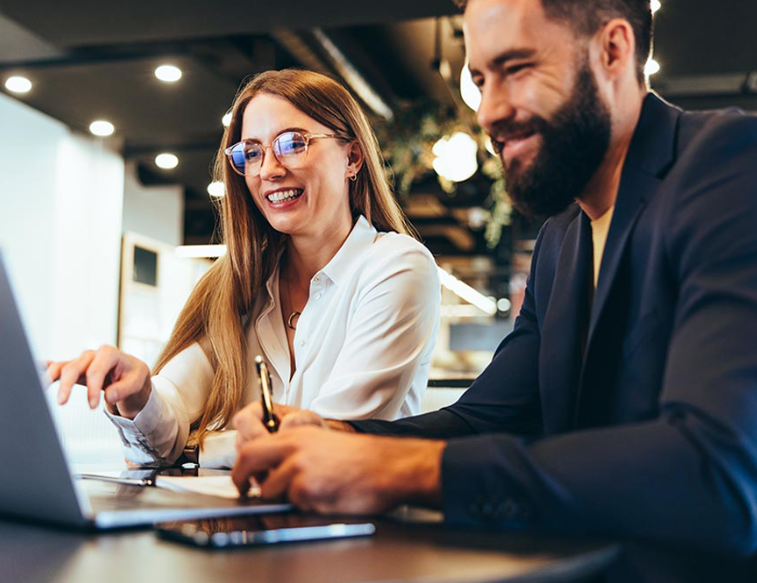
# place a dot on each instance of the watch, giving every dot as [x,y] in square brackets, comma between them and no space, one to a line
[190,455]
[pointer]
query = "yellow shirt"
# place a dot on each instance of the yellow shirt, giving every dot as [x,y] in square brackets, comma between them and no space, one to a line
[599,230]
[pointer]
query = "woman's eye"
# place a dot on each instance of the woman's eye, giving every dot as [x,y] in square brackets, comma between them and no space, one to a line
[291,145]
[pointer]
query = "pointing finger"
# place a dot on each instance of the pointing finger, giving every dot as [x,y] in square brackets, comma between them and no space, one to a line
[71,374]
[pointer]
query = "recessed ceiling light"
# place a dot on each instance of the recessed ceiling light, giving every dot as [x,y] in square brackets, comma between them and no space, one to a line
[216,189]
[166,161]
[226,119]
[168,73]
[18,84]
[102,128]
[651,67]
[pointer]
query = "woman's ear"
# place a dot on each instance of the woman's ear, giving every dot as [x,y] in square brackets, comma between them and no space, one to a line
[354,158]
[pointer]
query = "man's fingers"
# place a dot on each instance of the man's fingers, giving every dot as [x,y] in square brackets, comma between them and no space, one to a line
[278,480]
[71,374]
[301,418]
[248,422]
[257,457]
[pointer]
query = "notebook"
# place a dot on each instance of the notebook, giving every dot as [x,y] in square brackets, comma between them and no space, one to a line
[36,481]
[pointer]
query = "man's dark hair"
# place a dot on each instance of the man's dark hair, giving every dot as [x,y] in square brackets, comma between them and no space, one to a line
[587,16]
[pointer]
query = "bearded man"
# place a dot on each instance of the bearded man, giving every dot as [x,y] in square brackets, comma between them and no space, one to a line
[624,403]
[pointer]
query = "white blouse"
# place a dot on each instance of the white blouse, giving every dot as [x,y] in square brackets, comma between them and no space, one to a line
[362,349]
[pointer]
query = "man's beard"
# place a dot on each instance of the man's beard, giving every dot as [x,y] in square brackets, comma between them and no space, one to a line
[574,143]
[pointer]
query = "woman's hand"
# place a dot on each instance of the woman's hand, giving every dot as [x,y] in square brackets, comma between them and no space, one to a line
[124,379]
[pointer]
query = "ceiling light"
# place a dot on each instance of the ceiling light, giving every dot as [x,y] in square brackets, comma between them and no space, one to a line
[216,189]
[456,157]
[466,292]
[504,305]
[101,128]
[166,161]
[655,5]
[459,311]
[226,119]
[197,251]
[468,91]
[18,84]
[651,67]
[168,73]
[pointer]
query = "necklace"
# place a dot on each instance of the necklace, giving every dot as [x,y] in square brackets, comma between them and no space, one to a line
[290,320]
[295,314]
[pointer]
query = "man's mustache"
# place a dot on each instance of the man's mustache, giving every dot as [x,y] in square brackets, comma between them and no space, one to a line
[507,130]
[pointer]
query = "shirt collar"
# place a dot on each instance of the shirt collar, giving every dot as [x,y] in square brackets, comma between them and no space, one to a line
[352,251]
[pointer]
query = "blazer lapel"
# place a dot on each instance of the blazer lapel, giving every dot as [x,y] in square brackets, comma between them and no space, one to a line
[651,153]
[563,333]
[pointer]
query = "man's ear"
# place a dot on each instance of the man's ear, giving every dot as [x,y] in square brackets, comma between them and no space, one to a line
[616,47]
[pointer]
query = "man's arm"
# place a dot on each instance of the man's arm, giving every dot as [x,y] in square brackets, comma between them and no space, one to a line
[688,476]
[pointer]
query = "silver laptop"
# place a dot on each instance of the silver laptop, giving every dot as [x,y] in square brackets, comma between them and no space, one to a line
[36,482]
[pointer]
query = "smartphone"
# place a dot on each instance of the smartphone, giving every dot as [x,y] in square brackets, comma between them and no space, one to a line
[220,533]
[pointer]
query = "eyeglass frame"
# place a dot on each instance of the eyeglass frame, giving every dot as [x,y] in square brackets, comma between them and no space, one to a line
[308,136]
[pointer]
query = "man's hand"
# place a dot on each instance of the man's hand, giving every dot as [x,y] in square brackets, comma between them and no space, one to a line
[332,472]
[249,421]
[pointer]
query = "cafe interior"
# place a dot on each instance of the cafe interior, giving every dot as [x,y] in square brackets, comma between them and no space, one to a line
[111,115]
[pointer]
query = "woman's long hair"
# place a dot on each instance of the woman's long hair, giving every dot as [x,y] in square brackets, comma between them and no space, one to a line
[217,311]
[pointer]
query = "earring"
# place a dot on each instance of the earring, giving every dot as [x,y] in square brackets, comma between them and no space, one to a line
[353,177]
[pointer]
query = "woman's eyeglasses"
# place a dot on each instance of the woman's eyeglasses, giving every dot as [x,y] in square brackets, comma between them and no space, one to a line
[289,148]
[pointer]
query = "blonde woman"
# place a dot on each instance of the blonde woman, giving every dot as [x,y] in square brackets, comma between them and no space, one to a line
[322,277]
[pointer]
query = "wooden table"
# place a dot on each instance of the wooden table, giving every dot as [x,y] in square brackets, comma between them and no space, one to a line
[400,551]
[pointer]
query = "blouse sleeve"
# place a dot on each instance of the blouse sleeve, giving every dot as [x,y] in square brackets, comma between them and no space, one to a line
[158,434]
[390,337]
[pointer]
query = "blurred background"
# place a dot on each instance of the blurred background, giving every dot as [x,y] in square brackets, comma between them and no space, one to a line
[111,115]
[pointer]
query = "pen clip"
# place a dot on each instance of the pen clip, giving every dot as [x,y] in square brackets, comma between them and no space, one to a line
[270,420]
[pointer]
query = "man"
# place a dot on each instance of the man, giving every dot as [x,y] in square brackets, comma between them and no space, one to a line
[624,403]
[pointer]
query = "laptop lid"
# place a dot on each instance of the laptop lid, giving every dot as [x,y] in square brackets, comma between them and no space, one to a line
[36,482]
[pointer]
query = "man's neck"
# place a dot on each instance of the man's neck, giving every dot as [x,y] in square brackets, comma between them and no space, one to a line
[602,190]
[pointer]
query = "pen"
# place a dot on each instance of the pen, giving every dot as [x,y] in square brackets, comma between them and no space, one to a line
[143,482]
[270,420]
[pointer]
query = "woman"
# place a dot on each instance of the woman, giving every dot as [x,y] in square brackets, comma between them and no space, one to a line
[320,277]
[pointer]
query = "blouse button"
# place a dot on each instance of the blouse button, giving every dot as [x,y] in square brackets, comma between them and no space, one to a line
[316,279]
[317,296]
[302,343]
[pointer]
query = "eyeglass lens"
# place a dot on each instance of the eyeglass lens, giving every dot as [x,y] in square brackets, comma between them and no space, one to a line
[289,148]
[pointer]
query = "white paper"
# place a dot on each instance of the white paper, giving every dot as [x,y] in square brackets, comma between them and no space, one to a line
[221,486]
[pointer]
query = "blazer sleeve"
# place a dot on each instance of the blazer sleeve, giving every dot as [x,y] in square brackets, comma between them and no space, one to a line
[688,476]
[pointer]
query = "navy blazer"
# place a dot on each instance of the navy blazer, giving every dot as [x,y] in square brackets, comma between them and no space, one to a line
[635,414]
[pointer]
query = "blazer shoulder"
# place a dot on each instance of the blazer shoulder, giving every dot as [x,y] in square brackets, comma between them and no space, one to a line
[714,130]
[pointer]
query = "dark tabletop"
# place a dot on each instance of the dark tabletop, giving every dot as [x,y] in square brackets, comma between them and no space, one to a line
[400,551]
